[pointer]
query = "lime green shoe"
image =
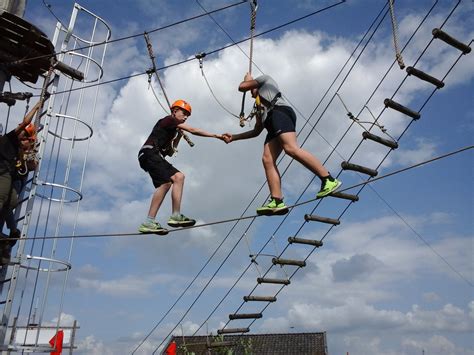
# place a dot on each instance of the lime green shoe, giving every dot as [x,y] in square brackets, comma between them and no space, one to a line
[181,221]
[273,208]
[328,187]
[152,227]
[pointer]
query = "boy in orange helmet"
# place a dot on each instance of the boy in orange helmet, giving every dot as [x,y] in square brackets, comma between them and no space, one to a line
[162,142]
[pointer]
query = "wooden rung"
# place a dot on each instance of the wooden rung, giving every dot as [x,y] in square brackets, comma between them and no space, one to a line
[345,196]
[279,261]
[400,108]
[426,77]
[361,169]
[315,243]
[221,344]
[260,298]
[314,218]
[437,33]
[263,280]
[387,142]
[245,316]
[233,330]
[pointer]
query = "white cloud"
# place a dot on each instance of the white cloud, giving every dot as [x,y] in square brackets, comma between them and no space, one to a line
[92,346]
[437,345]
[123,287]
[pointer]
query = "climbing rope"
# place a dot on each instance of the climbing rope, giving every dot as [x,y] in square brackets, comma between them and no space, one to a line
[253,17]
[150,86]
[398,54]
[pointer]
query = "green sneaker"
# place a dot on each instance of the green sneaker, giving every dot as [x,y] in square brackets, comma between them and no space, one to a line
[273,208]
[181,221]
[152,227]
[327,187]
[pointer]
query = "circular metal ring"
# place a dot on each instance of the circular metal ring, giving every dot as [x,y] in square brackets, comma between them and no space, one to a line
[41,258]
[74,139]
[91,43]
[93,61]
[53,185]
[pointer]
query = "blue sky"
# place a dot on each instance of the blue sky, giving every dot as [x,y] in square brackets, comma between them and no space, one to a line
[395,277]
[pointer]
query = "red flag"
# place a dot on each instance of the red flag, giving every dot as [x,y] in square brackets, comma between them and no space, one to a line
[171,349]
[57,343]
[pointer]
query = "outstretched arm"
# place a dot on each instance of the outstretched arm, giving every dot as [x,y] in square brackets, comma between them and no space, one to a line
[198,132]
[257,129]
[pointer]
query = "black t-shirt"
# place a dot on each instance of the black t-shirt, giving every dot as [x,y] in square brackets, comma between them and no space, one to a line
[163,133]
[9,146]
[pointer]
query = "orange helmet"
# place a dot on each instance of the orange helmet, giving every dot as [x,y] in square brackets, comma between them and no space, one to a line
[182,104]
[30,130]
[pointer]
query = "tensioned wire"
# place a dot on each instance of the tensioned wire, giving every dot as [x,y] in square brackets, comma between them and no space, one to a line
[305,202]
[125,37]
[208,53]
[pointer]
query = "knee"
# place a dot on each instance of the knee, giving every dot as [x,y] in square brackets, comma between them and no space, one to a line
[178,178]
[267,160]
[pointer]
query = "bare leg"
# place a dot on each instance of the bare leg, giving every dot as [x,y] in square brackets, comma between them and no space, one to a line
[290,146]
[157,199]
[271,151]
[177,192]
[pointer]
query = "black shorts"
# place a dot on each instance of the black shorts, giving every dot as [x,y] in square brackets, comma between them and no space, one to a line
[159,169]
[280,120]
